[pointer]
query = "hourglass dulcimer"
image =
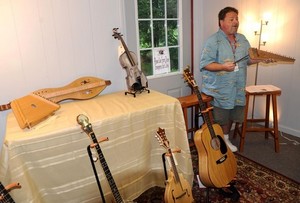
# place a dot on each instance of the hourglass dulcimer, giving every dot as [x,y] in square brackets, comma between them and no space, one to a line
[38,105]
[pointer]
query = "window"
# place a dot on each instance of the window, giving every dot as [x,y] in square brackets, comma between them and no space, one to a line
[158,31]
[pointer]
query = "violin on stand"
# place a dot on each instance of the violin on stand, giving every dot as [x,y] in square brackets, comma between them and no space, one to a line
[136,80]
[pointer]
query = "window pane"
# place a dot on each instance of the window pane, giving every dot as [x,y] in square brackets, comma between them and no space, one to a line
[144,8]
[158,8]
[172,33]
[174,59]
[158,28]
[159,33]
[172,9]
[146,62]
[145,34]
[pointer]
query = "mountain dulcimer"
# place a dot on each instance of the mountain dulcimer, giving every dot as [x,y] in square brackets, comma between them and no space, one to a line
[38,105]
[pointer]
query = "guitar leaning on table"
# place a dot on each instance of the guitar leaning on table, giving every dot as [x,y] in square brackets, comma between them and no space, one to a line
[4,195]
[87,128]
[37,106]
[177,189]
[217,163]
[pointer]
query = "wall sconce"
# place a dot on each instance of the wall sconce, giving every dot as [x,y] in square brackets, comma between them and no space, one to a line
[262,23]
[260,43]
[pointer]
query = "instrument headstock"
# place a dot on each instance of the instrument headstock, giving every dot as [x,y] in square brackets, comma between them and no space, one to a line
[162,138]
[189,78]
[116,34]
[83,120]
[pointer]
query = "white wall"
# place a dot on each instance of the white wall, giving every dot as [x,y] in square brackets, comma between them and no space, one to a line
[50,43]
[284,32]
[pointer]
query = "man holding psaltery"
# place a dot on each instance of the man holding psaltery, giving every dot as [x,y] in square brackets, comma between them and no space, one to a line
[224,74]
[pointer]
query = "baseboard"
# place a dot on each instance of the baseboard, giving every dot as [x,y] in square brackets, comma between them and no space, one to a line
[289,131]
[283,129]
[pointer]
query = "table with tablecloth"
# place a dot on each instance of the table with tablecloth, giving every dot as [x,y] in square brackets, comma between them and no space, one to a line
[51,162]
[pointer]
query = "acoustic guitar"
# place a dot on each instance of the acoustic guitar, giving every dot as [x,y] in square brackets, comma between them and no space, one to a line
[178,190]
[87,128]
[37,106]
[217,163]
[4,195]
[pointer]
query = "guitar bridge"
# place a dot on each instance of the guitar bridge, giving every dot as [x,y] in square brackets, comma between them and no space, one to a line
[222,159]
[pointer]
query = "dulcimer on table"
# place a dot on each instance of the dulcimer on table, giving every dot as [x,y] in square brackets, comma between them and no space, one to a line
[38,105]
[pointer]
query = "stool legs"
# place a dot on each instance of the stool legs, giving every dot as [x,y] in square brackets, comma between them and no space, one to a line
[275,123]
[267,129]
[267,116]
[244,124]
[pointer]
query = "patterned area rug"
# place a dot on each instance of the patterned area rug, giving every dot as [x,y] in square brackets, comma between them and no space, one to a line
[254,182]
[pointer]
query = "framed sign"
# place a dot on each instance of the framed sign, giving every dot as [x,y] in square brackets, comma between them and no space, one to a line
[161,60]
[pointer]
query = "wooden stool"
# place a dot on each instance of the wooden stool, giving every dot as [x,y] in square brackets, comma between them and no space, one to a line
[269,91]
[192,102]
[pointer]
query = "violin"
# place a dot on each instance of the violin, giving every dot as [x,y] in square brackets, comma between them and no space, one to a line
[135,79]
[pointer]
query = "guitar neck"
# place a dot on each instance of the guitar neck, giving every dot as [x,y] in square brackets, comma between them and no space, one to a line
[205,115]
[106,170]
[173,165]
[4,195]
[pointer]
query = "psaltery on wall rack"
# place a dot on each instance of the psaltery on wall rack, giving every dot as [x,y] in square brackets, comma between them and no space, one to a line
[38,105]
[135,79]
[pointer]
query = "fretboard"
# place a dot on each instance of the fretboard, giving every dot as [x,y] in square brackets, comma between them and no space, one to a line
[106,170]
[205,115]
[4,196]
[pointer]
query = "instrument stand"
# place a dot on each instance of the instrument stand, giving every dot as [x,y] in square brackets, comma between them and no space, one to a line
[95,173]
[233,193]
[164,163]
[137,91]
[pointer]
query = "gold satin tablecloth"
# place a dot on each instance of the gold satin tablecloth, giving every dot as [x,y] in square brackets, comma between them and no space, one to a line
[51,162]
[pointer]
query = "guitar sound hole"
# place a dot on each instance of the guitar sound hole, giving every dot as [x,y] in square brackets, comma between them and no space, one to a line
[215,143]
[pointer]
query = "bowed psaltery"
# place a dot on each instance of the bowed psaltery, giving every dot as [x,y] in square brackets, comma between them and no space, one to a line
[257,54]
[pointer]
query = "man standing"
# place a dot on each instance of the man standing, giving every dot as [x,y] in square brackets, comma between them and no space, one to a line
[222,78]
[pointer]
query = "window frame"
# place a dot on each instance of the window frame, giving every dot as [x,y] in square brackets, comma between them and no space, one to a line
[180,43]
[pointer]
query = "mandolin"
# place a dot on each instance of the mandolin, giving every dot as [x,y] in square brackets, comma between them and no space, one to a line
[177,189]
[4,195]
[217,163]
[136,80]
[37,106]
[87,128]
